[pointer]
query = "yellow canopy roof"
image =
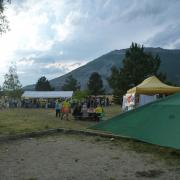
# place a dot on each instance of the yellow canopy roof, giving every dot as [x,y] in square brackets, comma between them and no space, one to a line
[153,85]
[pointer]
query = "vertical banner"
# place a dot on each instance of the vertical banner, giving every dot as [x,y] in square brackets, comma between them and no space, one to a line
[128,102]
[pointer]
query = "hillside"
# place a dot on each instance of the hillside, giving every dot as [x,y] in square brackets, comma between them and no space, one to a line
[170,64]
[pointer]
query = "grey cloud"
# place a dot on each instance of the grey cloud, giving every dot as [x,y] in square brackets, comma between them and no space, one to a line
[53,70]
[31,74]
[167,37]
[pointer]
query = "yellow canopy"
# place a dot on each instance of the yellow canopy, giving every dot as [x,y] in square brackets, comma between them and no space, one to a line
[153,85]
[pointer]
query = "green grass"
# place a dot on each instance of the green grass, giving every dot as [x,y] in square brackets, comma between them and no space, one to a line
[112,111]
[21,120]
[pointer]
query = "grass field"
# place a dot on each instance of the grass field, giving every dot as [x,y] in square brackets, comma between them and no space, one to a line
[21,120]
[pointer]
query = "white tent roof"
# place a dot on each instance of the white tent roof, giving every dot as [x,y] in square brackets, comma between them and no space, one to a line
[47,94]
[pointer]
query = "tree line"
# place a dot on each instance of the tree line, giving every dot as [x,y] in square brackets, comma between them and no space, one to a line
[137,66]
[94,85]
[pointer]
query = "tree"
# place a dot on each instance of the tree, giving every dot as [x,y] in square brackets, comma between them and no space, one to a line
[137,65]
[12,86]
[80,94]
[3,20]
[43,85]
[95,84]
[71,84]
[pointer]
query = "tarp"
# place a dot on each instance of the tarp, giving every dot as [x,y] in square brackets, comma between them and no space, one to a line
[157,123]
[153,85]
[47,94]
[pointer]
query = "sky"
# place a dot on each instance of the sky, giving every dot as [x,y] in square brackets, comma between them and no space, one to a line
[52,37]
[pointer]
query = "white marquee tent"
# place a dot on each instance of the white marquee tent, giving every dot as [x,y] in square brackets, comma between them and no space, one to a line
[47,94]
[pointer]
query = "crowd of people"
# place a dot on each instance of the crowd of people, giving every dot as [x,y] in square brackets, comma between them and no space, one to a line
[90,108]
[38,103]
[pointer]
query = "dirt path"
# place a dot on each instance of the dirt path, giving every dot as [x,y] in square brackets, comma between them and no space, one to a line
[79,157]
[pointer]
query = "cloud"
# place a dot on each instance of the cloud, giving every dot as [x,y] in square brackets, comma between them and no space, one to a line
[25,62]
[53,37]
[30,67]
[167,38]
[66,66]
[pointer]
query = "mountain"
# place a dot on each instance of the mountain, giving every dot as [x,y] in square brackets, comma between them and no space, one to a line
[170,64]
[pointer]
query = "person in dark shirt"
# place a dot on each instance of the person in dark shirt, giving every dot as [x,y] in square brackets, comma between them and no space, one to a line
[58,109]
[77,113]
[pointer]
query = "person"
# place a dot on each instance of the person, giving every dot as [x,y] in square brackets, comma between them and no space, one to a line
[107,101]
[77,111]
[99,112]
[91,113]
[58,109]
[84,110]
[46,105]
[65,109]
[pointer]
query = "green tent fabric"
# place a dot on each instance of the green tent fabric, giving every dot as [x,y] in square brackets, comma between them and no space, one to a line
[156,123]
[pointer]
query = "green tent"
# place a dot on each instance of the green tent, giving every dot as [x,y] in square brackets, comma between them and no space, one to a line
[156,123]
